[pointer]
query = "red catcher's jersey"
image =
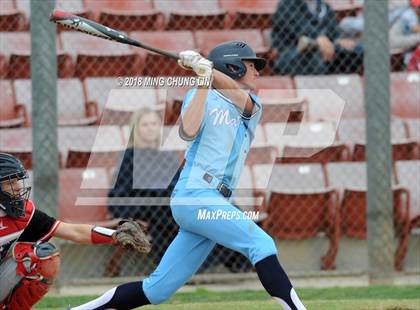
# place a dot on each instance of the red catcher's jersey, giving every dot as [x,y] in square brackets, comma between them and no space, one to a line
[34,226]
[12,228]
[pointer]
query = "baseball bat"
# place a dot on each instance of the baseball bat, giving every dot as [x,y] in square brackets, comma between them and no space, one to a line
[92,28]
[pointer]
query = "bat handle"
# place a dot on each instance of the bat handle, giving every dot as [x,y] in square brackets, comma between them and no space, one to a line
[154,49]
[169,54]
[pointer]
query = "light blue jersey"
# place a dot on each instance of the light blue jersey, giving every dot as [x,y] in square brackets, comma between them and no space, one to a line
[220,149]
[222,143]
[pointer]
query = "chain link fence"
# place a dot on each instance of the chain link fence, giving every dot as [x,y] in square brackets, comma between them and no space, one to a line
[118,149]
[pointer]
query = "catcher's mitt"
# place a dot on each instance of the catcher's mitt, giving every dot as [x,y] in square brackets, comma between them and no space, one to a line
[130,235]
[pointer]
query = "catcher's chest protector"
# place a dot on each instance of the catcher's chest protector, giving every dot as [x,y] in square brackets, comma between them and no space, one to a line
[39,263]
[12,228]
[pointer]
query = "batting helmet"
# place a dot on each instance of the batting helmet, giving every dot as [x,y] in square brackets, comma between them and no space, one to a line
[12,201]
[227,58]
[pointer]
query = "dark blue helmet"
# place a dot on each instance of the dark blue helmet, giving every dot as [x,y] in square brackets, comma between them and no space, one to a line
[227,58]
[12,201]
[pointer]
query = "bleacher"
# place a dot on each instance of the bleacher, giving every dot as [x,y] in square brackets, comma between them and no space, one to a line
[327,192]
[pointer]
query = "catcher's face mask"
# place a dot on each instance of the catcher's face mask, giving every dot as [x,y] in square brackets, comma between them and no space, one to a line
[13,195]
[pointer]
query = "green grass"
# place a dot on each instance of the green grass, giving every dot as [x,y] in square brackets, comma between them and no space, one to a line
[364,298]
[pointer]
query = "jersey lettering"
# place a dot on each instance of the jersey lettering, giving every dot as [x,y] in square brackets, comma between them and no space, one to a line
[223,117]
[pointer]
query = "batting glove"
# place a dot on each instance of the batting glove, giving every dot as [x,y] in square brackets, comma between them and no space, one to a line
[203,67]
[186,58]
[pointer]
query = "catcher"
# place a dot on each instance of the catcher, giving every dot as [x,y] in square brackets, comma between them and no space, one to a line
[28,262]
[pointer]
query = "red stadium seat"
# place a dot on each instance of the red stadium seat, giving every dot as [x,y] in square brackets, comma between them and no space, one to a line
[73,109]
[82,159]
[7,5]
[278,108]
[174,41]
[128,15]
[25,156]
[267,36]
[259,138]
[284,83]
[249,14]
[99,57]
[88,146]
[413,126]
[106,92]
[16,46]
[408,176]
[16,139]
[326,95]
[12,113]
[192,15]
[124,6]
[275,92]
[3,65]
[98,90]
[262,155]
[352,132]
[199,20]
[401,150]
[72,6]
[405,94]
[18,142]
[344,8]
[300,205]
[335,152]
[207,39]
[244,195]
[306,142]
[172,98]
[351,180]
[83,196]
[123,103]
[11,19]
[261,152]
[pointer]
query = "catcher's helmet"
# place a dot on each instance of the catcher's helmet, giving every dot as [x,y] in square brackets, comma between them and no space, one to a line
[229,55]
[12,201]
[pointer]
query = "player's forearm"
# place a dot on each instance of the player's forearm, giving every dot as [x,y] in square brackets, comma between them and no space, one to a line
[231,89]
[194,113]
[83,233]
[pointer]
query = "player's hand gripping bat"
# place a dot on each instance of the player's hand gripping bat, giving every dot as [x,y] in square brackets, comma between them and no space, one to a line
[87,26]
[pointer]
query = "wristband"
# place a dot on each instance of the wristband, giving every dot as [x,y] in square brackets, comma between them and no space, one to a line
[102,235]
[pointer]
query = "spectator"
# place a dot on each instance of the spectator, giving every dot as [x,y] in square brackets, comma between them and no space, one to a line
[306,36]
[414,63]
[405,26]
[403,22]
[145,172]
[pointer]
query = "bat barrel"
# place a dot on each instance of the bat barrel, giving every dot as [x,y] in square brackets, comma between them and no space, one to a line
[92,28]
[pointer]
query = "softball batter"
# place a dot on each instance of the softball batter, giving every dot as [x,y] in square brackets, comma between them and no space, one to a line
[220,122]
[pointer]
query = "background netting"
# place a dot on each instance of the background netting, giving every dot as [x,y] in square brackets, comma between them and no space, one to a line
[118,141]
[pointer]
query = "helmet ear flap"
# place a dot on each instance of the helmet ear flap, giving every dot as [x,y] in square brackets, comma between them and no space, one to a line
[234,69]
